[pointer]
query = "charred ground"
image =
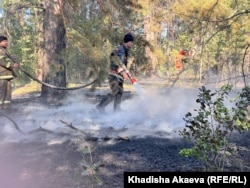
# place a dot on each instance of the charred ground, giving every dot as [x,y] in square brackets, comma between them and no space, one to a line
[40,164]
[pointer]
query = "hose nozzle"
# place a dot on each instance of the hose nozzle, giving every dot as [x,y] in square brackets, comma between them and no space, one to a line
[133,80]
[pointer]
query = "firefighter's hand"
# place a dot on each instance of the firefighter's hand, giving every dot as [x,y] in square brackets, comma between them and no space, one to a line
[15,65]
[120,70]
[125,75]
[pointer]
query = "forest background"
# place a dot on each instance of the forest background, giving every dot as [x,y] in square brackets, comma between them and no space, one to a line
[69,41]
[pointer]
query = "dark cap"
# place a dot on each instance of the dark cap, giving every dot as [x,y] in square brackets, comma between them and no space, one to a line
[2,38]
[128,38]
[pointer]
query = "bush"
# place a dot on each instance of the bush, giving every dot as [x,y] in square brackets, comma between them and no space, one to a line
[211,128]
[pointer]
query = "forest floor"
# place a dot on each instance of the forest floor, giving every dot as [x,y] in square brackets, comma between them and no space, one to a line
[39,164]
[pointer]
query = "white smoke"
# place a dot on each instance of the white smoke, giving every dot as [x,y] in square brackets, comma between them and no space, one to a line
[147,113]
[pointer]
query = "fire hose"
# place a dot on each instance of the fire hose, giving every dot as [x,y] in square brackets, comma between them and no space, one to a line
[46,84]
[53,86]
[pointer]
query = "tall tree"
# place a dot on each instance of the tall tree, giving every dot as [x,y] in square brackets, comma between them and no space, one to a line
[149,17]
[219,30]
[54,42]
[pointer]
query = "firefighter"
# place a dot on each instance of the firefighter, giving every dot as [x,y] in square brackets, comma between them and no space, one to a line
[7,74]
[117,74]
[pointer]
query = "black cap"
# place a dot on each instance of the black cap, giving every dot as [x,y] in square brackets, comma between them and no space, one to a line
[128,37]
[3,38]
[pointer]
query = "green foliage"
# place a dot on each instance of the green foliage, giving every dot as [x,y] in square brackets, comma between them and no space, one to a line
[211,128]
[216,30]
[89,168]
[241,115]
[20,25]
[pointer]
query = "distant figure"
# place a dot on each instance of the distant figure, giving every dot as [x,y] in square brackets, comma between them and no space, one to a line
[117,74]
[7,74]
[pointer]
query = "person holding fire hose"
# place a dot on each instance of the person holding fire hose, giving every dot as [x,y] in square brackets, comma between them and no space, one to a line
[7,74]
[117,74]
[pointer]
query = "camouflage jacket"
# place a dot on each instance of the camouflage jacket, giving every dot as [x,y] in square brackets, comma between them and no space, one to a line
[118,58]
[6,71]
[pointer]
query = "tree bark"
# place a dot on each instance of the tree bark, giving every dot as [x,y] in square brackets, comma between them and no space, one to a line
[150,36]
[54,71]
[149,54]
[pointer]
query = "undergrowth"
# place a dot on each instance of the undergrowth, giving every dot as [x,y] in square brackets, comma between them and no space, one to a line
[211,127]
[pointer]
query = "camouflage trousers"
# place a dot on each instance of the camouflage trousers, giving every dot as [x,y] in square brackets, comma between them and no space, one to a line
[5,93]
[115,94]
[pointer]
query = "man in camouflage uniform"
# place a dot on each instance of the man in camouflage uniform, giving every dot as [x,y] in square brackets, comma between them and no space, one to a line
[117,75]
[6,74]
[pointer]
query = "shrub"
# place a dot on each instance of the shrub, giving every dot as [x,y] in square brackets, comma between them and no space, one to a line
[211,128]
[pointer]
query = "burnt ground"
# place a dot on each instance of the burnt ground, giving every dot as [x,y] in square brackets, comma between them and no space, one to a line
[38,164]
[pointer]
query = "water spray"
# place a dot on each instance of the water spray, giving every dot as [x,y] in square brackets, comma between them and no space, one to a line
[141,93]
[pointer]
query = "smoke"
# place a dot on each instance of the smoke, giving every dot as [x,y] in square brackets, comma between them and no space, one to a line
[148,113]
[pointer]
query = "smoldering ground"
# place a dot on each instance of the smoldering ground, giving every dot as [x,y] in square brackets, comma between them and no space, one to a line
[46,154]
[146,112]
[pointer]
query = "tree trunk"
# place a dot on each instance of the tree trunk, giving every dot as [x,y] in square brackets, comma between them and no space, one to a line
[54,43]
[150,37]
[39,75]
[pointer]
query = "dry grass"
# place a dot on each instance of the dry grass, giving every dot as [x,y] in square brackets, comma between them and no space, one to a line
[31,87]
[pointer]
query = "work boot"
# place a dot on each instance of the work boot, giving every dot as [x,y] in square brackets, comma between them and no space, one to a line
[118,109]
[101,109]
[117,106]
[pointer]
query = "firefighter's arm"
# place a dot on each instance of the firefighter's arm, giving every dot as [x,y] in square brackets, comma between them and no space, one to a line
[125,74]
[122,70]
[116,60]
[4,61]
[7,62]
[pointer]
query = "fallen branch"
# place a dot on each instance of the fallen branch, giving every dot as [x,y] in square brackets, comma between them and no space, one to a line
[86,136]
[41,129]
[70,125]
[14,123]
